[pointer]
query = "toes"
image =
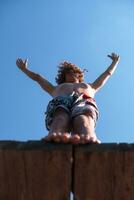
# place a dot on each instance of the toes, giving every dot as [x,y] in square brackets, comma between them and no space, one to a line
[94,140]
[65,137]
[98,141]
[82,139]
[86,139]
[57,137]
[62,137]
[51,137]
[75,139]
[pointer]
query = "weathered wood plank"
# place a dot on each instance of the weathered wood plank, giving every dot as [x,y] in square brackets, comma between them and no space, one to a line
[3,178]
[15,181]
[104,172]
[35,171]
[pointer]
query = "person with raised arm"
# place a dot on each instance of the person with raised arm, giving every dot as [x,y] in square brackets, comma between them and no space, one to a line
[72,114]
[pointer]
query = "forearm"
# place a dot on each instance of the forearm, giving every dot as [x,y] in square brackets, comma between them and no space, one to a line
[102,79]
[45,84]
[110,70]
[31,74]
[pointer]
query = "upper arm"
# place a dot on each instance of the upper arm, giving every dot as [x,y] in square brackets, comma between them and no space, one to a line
[100,81]
[45,84]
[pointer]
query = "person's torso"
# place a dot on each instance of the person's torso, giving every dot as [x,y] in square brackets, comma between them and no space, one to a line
[79,88]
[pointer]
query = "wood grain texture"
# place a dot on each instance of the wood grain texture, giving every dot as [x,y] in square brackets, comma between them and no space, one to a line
[104,174]
[35,172]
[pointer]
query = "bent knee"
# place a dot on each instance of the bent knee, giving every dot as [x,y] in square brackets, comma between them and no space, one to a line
[80,118]
[61,114]
[84,119]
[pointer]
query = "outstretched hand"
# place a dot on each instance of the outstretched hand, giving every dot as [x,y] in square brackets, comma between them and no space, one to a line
[114,57]
[22,64]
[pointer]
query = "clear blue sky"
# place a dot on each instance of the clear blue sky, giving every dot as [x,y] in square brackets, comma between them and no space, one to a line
[82,32]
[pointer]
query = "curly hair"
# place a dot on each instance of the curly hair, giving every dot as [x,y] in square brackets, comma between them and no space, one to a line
[65,67]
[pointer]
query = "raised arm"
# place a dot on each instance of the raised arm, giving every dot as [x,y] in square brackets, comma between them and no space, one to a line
[102,79]
[45,84]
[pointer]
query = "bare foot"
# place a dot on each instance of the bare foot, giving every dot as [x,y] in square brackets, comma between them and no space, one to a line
[50,137]
[85,139]
[65,137]
[82,139]
[57,137]
[75,139]
[62,138]
[97,141]
[94,140]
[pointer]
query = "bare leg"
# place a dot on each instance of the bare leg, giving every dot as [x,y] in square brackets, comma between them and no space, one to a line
[83,125]
[59,130]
